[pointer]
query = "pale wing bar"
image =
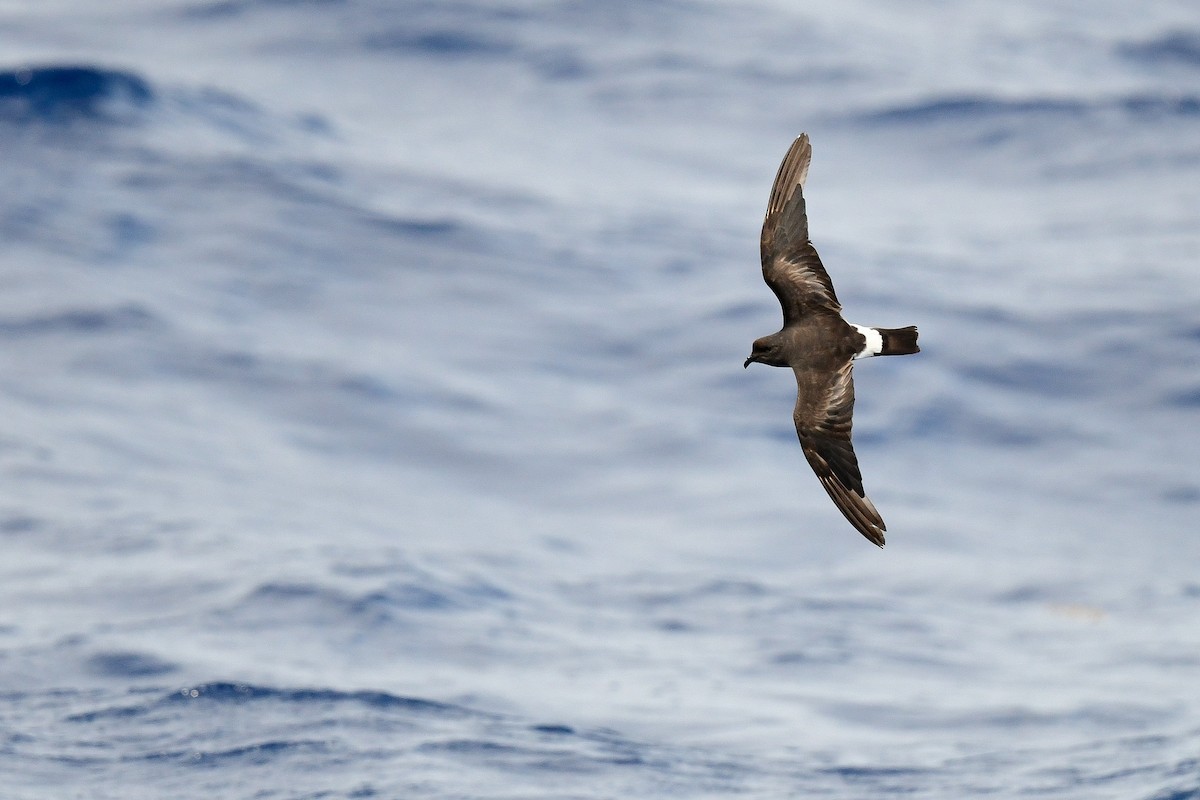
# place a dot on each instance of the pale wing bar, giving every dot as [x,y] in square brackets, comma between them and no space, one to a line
[801,284]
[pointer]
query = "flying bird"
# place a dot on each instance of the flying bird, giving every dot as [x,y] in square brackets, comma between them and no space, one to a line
[818,344]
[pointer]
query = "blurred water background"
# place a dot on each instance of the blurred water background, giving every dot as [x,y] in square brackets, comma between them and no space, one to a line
[373,420]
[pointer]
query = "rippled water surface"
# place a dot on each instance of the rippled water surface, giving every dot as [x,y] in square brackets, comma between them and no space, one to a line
[373,423]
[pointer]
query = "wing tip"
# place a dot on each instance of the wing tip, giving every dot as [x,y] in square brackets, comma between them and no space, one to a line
[857,508]
[793,172]
[872,529]
[802,146]
[872,532]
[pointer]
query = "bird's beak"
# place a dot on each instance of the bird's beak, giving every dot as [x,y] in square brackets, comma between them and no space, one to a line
[748,360]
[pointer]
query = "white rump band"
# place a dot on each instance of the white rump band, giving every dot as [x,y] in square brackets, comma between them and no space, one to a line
[874,344]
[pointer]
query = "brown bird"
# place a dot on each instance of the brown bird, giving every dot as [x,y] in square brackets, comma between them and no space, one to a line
[818,344]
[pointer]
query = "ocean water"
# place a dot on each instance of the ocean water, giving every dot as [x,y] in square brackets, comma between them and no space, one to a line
[373,420]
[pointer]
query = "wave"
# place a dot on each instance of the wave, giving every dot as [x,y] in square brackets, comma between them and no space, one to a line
[85,321]
[957,108]
[272,603]
[239,694]
[973,107]
[61,93]
[1172,47]
[128,664]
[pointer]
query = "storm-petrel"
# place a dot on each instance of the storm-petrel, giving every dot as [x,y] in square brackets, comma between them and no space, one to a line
[818,344]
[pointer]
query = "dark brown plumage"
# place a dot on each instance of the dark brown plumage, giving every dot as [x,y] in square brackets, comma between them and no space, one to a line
[818,344]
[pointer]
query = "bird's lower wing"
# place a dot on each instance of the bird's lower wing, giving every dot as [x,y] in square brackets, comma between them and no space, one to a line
[856,507]
[823,419]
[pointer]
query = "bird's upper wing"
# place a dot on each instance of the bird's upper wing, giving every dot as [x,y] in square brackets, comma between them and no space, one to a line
[791,266]
[823,416]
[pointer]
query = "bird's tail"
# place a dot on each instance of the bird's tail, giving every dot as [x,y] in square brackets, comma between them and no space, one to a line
[899,341]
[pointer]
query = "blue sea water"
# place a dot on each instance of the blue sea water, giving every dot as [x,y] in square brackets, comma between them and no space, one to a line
[373,420]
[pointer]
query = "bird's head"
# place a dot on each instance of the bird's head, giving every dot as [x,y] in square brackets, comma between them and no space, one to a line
[767,350]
